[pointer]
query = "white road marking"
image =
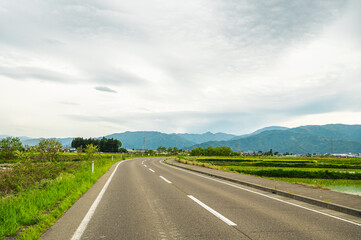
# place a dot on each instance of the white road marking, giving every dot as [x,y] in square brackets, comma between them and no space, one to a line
[165,179]
[267,196]
[151,170]
[214,212]
[80,230]
[145,165]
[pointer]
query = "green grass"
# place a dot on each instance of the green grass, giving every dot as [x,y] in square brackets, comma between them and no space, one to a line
[314,169]
[339,174]
[29,212]
[340,185]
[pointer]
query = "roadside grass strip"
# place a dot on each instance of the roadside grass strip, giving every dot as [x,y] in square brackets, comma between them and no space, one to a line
[31,212]
[165,179]
[214,212]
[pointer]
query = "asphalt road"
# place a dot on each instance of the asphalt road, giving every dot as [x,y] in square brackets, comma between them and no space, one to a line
[147,199]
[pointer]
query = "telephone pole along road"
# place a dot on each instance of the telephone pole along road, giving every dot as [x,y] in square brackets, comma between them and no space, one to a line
[147,199]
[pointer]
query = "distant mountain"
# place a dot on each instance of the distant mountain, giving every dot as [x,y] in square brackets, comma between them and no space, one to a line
[334,131]
[305,139]
[22,138]
[3,136]
[259,131]
[66,142]
[269,129]
[206,137]
[153,140]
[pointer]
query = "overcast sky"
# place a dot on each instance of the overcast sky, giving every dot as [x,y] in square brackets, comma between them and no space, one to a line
[92,68]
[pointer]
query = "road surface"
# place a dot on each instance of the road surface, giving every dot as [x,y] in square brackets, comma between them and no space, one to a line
[147,199]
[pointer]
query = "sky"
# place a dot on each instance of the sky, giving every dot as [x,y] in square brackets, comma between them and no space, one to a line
[91,68]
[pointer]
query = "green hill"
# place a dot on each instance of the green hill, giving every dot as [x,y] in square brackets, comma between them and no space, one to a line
[305,139]
[66,142]
[205,137]
[153,140]
[335,131]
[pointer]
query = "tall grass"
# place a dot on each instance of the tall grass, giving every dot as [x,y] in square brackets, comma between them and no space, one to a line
[29,212]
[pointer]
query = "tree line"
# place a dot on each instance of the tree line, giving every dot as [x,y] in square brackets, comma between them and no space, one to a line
[104,144]
[210,151]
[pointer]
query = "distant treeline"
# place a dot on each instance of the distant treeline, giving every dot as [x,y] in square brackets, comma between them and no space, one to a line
[217,151]
[104,144]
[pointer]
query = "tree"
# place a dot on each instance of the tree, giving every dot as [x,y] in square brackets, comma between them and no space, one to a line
[104,144]
[80,149]
[161,149]
[149,152]
[90,151]
[123,150]
[210,151]
[269,153]
[9,145]
[49,149]
[175,151]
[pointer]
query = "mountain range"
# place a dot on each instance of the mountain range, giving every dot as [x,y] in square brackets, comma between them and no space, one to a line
[331,138]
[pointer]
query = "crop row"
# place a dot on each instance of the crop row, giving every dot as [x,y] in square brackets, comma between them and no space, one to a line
[322,174]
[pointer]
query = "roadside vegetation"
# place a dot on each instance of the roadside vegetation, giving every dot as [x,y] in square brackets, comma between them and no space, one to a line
[339,174]
[38,184]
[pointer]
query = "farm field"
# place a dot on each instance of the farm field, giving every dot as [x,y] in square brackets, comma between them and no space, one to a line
[337,174]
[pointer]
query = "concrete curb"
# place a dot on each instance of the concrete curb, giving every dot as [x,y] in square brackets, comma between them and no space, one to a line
[332,206]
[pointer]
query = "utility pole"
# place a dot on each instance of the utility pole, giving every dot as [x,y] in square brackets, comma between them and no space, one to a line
[144,144]
[239,147]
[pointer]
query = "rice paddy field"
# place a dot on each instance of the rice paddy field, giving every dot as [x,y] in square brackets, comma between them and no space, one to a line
[337,174]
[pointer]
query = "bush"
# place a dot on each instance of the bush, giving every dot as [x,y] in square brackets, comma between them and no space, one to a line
[9,145]
[49,149]
[27,173]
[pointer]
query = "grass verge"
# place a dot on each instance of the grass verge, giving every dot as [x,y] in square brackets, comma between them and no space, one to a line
[29,213]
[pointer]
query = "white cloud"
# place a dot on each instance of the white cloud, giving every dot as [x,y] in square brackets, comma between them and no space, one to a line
[194,65]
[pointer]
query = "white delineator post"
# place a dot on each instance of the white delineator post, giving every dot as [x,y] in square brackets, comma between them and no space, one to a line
[93,166]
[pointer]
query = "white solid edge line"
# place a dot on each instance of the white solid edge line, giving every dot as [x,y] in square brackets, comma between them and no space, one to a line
[165,179]
[151,170]
[267,196]
[214,212]
[80,230]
